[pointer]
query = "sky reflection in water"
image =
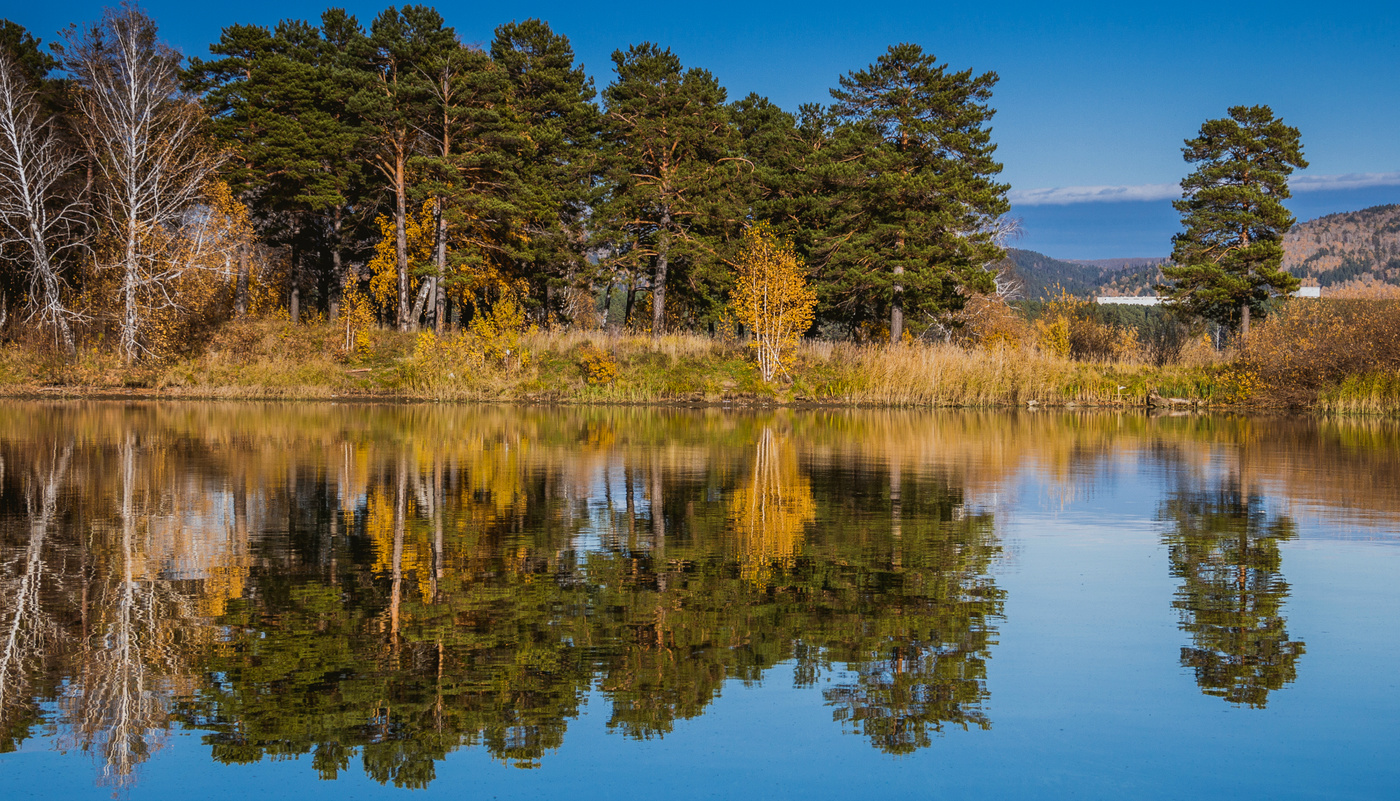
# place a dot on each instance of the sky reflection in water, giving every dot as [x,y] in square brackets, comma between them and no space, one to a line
[349,600]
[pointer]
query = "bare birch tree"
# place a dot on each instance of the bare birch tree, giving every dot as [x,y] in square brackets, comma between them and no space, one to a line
[151,159]
[34,217]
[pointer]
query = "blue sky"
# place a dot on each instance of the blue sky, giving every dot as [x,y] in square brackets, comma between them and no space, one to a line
[1092,95]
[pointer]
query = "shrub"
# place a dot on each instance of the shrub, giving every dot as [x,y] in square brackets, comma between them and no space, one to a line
[1313,344]
[599,367]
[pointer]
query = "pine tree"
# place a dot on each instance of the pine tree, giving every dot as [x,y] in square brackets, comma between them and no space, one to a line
[672,173]
[397,104]
[474,145]
[279,99]
[553,99]
[1229,257]
[917,222]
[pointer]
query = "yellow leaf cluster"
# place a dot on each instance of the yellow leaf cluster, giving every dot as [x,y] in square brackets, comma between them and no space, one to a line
[599,366]
[384,265]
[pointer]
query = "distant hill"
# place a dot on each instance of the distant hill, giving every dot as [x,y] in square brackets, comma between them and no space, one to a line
[1353,246]
[1141,279]
[1122,264]
[1041,276]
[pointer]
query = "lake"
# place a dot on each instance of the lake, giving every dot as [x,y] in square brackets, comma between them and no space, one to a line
[356,601]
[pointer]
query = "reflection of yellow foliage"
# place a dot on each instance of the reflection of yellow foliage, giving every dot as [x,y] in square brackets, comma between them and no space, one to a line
[771,512]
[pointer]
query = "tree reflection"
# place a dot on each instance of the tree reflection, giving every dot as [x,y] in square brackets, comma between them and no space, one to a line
[919,624]
[1224,548]
[386,587]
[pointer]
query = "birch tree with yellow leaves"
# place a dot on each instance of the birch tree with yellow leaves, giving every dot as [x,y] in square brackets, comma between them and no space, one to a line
[771,298]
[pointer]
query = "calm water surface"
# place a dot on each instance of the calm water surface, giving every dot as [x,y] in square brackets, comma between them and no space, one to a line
[295,601]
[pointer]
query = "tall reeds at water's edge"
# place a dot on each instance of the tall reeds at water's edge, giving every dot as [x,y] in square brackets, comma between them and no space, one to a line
[1332,356]
[272,359]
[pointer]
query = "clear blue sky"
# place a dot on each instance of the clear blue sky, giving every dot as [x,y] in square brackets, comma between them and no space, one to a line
[1091,94]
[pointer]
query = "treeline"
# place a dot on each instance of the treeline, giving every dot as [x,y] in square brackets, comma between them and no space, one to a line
[387,173]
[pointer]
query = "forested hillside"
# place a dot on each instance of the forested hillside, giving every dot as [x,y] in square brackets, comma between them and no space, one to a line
[1040,277]
[1350,247]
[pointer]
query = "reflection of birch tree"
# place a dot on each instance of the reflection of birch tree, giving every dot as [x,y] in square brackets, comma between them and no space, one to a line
[129,666]
[770,512]
[29,630]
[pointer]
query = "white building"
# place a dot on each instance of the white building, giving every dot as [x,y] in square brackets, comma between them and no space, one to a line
[1156,300]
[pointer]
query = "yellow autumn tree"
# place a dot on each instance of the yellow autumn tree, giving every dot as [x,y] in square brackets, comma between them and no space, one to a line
[771,298]
[384,266]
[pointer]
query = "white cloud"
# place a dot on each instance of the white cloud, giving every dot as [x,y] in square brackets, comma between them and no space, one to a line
[1061,196]
[1354,180]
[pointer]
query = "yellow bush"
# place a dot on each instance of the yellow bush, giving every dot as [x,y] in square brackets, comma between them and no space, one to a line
[599,367]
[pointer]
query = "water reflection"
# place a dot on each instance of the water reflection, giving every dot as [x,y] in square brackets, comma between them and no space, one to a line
[1224,547]
[385,585]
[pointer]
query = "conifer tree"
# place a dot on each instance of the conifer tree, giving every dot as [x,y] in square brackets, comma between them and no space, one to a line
[397,104]
[918,196]
[672,172]
[1228,257]
[473,146]
[279,99]
[553,99]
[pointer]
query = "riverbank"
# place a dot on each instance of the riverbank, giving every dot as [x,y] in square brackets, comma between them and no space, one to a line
[270,359]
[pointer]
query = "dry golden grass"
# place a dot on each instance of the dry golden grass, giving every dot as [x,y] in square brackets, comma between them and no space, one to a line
[270,358]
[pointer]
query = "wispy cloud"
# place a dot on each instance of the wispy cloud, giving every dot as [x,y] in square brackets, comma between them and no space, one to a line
[1065,195]
[1354,180]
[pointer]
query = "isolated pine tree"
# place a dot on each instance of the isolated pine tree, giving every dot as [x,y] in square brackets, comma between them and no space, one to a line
[1229,254]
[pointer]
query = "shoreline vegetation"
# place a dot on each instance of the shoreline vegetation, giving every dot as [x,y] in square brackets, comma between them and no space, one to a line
[1291,362]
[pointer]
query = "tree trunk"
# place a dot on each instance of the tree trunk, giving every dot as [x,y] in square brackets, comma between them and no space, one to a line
[337,267]
[440,256]
[658,287]
[631,302]
[1244,320]
[405,321]
[897,302]
[420,302]
[240,287]
[294,286]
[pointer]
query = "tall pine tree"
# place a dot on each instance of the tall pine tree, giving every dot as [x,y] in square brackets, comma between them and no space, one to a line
[553,99]
[1228,260]
[919,199]
[672,176]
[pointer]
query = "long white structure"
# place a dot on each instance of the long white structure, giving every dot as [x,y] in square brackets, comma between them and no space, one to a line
[1156,300]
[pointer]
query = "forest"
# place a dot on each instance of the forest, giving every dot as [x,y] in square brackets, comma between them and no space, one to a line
[384,174]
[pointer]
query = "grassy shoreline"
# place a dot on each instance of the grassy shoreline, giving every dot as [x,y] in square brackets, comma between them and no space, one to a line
[270,359]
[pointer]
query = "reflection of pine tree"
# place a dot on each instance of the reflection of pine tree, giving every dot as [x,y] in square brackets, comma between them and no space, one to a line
[1224,548]
[922,609]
